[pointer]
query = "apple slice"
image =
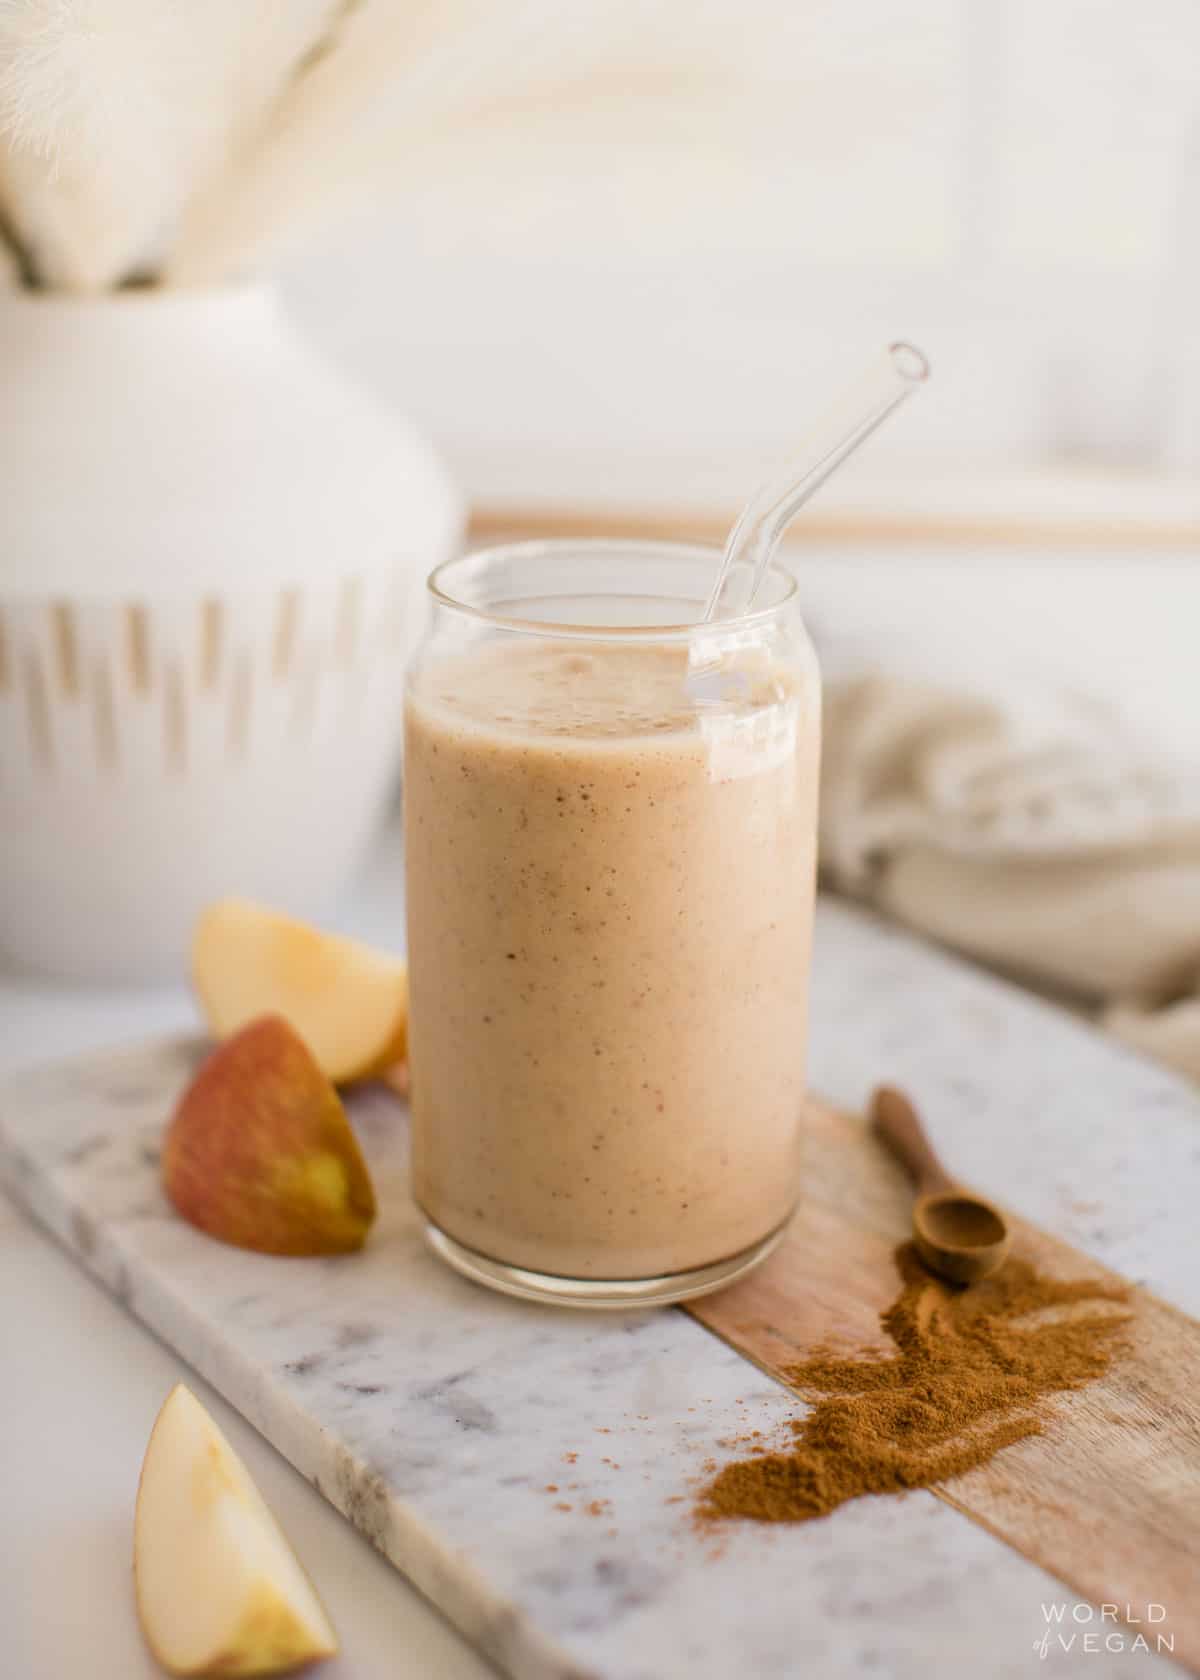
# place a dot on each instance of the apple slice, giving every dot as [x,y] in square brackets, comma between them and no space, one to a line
[260,1153]
[219,1590]
[348,1002]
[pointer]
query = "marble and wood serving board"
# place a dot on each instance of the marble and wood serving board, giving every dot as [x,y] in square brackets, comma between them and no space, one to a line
[531,1469]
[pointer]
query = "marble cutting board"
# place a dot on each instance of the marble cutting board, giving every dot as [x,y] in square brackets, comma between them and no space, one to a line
[530,1469]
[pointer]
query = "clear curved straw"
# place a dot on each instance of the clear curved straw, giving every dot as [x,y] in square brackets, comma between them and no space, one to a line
[761,523]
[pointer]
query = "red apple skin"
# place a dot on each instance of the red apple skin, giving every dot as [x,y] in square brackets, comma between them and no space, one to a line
[260,1154]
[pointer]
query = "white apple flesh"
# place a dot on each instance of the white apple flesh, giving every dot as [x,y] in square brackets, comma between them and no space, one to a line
[219,1589]
[347,1001]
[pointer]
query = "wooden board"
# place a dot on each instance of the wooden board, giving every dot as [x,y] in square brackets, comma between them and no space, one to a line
[1108,1498]
[1003,520]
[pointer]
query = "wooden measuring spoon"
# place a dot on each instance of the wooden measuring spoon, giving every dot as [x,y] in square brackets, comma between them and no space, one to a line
[959,1235]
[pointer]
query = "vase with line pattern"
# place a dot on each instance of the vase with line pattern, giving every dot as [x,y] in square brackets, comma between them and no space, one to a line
[211,545]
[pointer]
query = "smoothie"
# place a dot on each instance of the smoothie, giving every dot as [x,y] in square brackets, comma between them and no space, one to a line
[610,864]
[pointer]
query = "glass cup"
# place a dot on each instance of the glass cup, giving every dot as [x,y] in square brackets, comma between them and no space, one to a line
[610,833]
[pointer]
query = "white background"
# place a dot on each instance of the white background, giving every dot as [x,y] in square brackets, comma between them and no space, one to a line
[645,285]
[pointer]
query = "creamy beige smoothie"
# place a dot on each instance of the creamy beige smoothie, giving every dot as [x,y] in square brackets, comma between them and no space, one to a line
[610,868]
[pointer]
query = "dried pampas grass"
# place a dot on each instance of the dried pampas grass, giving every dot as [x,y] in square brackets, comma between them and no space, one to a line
[111,110]
[192,140]
[403,79]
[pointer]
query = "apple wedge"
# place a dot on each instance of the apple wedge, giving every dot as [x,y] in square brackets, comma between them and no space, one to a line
[348,1003]
[219,1589]
[259,1152]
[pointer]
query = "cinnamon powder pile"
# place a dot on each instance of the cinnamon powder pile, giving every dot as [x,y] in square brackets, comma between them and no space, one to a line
[969,1375]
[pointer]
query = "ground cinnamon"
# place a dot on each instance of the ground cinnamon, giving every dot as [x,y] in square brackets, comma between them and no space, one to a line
[969,1375]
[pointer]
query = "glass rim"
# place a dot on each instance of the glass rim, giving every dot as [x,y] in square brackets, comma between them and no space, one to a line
[619,547]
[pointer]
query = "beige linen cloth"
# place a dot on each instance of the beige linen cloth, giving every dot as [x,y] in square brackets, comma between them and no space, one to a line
[1022,824]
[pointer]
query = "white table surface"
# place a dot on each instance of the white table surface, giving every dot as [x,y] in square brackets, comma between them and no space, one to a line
[74,1427]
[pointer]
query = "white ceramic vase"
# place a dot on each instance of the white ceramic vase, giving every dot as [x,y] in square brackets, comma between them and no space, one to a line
[210,547]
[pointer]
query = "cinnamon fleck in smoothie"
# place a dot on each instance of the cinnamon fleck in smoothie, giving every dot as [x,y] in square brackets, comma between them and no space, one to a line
[610,864]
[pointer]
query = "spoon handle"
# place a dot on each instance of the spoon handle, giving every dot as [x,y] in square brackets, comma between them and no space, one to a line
[897,1123]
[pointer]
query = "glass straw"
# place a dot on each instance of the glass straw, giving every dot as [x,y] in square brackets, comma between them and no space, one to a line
[755,536]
